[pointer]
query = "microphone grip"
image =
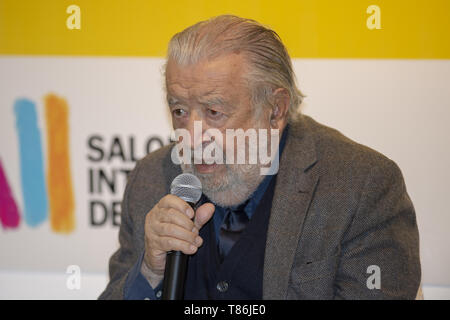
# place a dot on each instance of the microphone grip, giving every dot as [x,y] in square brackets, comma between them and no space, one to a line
[175,273]
[174,276]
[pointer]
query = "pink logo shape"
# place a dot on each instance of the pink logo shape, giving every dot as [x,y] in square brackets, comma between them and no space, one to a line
[9,214]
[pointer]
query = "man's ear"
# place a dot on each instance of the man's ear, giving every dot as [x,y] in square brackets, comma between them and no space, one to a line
[280,108]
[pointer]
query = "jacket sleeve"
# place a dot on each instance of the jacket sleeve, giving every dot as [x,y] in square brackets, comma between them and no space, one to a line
[123,260]
[380,250]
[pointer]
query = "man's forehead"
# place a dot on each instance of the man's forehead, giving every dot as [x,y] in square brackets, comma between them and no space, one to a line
[223,69]
[209,94]
[207,87]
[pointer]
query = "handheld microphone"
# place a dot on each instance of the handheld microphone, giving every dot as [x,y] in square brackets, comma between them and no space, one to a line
[189,188]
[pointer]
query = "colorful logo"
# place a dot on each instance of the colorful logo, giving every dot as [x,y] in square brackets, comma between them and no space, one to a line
[47,192]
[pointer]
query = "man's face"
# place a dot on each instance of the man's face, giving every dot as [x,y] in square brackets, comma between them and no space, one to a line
[215,93]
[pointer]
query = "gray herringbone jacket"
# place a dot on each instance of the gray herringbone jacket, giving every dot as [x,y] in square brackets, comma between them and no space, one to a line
[339,208]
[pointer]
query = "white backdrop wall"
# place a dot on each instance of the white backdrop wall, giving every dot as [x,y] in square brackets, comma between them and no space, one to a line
[398,107]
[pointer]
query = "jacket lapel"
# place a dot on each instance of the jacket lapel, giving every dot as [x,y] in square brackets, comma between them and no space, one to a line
[293,192]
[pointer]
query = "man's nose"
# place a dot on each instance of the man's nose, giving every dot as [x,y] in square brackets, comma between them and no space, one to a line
[196,127]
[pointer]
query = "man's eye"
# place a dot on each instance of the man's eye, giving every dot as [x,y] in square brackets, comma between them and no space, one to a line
[179,113]
[214,114]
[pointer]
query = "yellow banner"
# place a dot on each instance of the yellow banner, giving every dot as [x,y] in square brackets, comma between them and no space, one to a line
[414,29]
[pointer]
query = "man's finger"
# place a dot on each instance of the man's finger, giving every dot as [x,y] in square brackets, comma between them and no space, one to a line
[169,244]
[171,201]
[203,214]
[174,216]
[174,231]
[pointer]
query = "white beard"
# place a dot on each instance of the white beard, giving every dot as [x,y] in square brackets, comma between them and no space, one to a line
[233,187]
[236,185]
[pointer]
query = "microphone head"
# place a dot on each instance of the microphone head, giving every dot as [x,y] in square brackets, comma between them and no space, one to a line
[187,187]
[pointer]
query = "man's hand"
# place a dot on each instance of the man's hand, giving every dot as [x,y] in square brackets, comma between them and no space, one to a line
[169,226]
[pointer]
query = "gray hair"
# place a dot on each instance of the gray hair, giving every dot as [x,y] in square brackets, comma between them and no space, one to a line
[270,66]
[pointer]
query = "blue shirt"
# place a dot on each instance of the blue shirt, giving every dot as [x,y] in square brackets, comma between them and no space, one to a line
[138,288]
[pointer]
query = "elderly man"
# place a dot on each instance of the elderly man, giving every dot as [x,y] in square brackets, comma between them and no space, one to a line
[334,222]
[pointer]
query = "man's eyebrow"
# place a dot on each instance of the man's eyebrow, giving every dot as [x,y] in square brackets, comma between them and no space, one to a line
[171,100]
[208,99]
[212,100]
